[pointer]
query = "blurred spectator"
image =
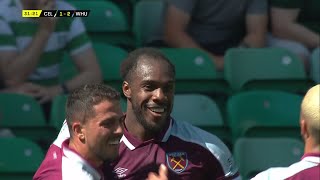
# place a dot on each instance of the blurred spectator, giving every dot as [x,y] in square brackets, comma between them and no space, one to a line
[32,48]
[308,167]
[295,26]
[215,26]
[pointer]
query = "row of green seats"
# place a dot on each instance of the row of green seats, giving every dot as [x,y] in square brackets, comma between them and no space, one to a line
[24,116]
[19,158]
[108,23]
[264,113]
[245,69]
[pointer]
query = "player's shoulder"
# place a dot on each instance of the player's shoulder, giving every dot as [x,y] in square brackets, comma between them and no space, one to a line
[63,5]
[51,165]
[298,169]
[191,133]
[277,173]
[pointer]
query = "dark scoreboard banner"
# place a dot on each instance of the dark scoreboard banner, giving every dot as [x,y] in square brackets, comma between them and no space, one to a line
[55,13]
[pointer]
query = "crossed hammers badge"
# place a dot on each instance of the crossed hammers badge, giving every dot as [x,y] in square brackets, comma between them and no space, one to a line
[177,161]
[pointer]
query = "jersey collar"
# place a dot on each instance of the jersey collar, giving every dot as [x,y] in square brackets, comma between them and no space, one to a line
[131,142]
[76,157]
[312,157]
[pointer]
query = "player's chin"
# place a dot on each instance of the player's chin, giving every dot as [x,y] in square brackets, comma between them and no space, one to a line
[113,154]
[113,146]
[156,126]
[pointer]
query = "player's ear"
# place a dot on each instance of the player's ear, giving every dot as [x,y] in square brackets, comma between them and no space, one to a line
[304,129]
[126,89]
[78,131]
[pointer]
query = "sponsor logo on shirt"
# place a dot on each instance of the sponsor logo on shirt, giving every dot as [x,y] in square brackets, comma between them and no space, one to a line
[120,172]
[177,161]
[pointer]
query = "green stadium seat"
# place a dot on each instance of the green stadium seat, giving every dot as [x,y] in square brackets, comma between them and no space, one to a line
[315,66]
[57,114]
[109,58]
[264,114]
[202,112]
[195,71]
[24,116]
[254,155]
[147,19]
[106,21]
[19,158]
[265,68]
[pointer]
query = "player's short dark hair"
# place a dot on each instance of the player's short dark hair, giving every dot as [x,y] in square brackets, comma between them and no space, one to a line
[129,65]
[80,102]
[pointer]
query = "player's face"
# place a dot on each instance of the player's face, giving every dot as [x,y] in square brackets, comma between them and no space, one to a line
[103,132]
[152,93]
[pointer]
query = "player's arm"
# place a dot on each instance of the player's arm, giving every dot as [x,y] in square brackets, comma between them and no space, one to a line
[224,168]
[17,66]
[256,24]
[285,25]
[220,163]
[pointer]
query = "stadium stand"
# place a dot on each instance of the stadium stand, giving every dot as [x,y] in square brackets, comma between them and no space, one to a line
[201,111]
[254,155]
[19,158]
[315,65]
[147,17]
[264,114]
[109,58]
[23,115]
[265,68]
[106,23]
[195,71]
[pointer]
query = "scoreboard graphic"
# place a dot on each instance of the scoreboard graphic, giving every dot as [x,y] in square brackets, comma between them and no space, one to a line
[55,13]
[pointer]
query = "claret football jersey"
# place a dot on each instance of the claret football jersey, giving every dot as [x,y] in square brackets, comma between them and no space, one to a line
[63,163]
[187,151]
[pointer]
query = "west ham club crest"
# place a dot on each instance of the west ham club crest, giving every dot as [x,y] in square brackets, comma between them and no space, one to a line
[177,161]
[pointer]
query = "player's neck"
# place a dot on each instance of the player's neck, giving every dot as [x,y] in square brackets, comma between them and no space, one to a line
[135,128]
[311,146]
[84,152]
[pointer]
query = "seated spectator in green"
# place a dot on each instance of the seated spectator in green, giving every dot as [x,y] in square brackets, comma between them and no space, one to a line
[32,48]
